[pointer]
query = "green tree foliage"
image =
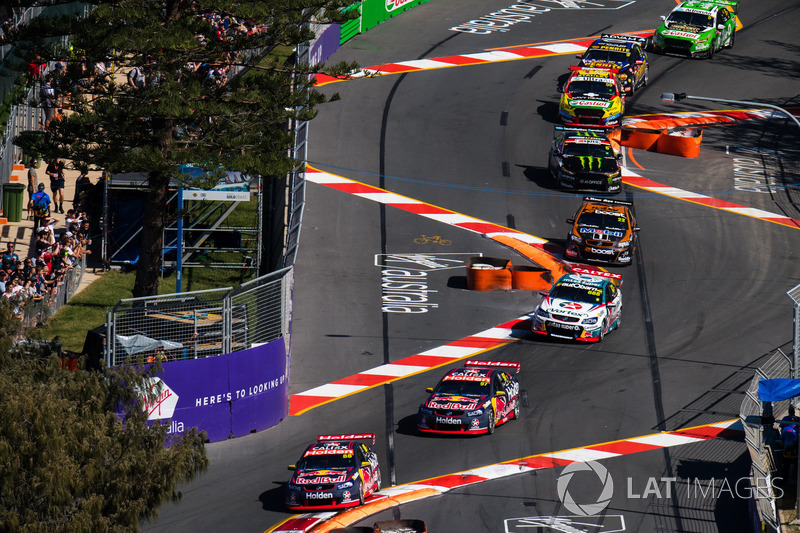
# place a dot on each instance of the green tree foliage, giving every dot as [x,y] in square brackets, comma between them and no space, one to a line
[180,116]
[68,462]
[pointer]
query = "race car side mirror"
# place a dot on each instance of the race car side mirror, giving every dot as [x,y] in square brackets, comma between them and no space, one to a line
[365,464]
[543,293]
[619,157]
[570,221]
[500,393]
[429,389]
[720,27]
[579,56]
[663,17]
[611,305]
[636,228]
[291,467]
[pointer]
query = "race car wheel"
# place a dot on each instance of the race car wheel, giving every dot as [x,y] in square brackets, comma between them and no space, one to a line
[603,329]
[361,490]
[378,483]
[646,76]
[619,322]
[490,423]
[731,40]
[516,410]
[711,49]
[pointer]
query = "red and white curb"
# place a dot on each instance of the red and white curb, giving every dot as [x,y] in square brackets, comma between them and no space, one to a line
[571,46]
[417,207]
[399,494]
[415,364]
[696,198]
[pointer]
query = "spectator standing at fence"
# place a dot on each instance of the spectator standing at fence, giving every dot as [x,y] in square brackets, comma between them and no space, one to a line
[10,258]
[48,99]
[33,181]
[41,206]
[56,172]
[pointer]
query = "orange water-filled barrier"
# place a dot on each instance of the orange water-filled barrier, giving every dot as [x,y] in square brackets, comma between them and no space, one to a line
[488,274]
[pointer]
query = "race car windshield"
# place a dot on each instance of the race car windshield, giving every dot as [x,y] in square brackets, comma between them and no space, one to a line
[606,55]
[588,150]
[583,88]
[325,462]
[463,388]
[577,294]
[610,222]
[690,19]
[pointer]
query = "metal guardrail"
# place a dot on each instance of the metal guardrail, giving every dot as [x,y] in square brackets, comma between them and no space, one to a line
[199,324]
[35,312]
[753,414]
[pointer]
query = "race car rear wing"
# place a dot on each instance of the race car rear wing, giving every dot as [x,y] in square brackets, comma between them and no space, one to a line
[609,201]
[616,279]
[623,38]
[348,436]
[494,364]
[589,70]
[730,4]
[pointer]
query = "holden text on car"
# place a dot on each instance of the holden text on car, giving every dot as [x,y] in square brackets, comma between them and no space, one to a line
[472,399]
[336,471]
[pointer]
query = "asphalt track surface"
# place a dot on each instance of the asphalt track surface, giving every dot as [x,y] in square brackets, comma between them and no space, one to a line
[704,303]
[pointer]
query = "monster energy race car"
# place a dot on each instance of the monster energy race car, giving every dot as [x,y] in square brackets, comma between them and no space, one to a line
[582,159]
[697,29]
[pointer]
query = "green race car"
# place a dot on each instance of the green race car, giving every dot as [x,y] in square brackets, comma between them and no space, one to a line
[697,29]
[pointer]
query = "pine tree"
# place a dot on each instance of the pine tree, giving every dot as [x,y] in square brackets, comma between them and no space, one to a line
[68,461]
[188,111]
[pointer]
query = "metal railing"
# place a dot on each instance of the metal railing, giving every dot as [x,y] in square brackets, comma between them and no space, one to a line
[35,311]
[760,435]
[200,324]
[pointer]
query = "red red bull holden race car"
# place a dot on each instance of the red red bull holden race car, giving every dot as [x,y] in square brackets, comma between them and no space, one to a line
[472,399]
[335,472]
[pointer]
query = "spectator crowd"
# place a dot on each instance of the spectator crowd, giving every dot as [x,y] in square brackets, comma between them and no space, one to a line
[56,249]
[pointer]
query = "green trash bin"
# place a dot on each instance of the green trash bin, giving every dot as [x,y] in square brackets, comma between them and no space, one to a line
[13,194]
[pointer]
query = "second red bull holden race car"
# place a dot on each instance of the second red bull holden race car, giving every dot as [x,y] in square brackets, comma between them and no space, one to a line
[582,306]
[472,399]
[336,471]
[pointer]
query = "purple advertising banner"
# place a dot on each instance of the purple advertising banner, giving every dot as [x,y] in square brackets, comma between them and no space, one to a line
[226,396]
[324,45]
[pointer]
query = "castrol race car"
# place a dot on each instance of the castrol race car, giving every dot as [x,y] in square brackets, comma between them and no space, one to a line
[603,231]
[592,97]
[335,472]
[623,53]
[582,306]
[472,399]
[582,159]
[697,29]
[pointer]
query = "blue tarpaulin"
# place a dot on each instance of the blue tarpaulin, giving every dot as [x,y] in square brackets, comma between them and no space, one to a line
[775,390]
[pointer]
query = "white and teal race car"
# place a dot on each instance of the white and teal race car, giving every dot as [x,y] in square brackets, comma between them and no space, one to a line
[697,29]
